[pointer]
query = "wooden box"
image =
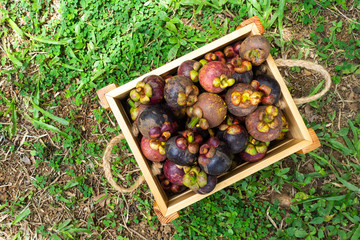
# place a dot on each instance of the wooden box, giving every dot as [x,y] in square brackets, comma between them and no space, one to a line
[297,138]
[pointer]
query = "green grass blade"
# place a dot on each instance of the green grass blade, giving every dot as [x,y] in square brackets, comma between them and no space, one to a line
[96,75]
[5,99]
[62,226]
[49,127]
[50,115]
[14,121]
[17,236]
[12,58]
[15,28]
[256,5]
[338,146]
[349,144]
[317,88]
[49,41]
[330,198]
[26,212]
[84,230]
[36,100]
[356,234]
[348,185]
[56,237]
[354,130]
[71,67]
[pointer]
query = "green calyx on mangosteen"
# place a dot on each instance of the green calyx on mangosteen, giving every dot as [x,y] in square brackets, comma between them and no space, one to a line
[254,151]
[215,76]
[194,178]
[149,91]
[255,48]
[242,99]
[265,123]
[155,122]
[180,92]
[190,69]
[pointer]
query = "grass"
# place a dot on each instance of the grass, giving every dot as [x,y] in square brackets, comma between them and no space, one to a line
[54,57]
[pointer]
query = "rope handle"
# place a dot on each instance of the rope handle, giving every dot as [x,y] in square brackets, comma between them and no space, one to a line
[311,66]
[155,168]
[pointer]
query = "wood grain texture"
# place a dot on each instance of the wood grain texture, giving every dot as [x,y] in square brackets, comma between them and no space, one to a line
[101,94]
[162,219]
[256,20]
[315,143]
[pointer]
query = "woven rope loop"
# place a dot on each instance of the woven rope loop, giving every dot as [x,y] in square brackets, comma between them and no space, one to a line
[311,66]
[155,168]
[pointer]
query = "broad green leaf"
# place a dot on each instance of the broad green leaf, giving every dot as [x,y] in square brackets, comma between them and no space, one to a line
[354,69]
[172,52]
[171,27]
[300,233]
[50,115]
[317,220]
[49,41]
[26,212]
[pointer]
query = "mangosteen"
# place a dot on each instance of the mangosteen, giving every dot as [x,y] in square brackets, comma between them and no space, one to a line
[255,48]
[242,99]
[149,91]
[215,56]
[284,129]
[208,112]
[254,151]
[215,157]
[174,173]
[153,149]
[179,93]
[155,122]
[241,70]
[233,134]
[269,87]
[190,69]
[194,178]
[229,52]
[265,123]
[183,149]
[215,76]
[211,182]
[135,109]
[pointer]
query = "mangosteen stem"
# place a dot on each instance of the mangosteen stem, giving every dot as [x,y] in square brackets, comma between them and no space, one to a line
[193,122]
[131,103]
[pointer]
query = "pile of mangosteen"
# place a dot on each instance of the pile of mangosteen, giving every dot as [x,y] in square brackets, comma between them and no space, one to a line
[212,115]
